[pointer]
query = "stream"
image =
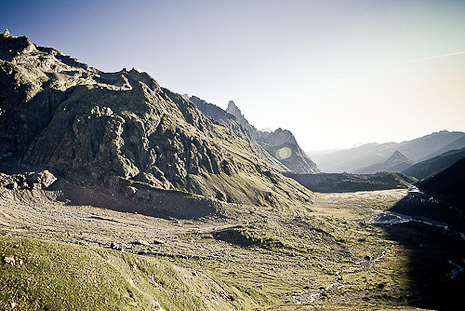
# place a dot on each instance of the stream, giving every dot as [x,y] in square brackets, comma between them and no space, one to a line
[388,218]
[385,218]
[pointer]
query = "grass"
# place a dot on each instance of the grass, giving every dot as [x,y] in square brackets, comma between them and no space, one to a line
[242,257]
[59,276]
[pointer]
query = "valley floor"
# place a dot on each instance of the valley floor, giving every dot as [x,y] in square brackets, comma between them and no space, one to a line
[334,254]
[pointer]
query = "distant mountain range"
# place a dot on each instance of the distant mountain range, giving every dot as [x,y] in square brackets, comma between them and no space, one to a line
[394,157]
[396,163]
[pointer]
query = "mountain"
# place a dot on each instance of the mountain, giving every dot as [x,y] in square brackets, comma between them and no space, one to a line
[223,117]
[351,160]
[88,158]
[396,163]
[434,165]
[280,145]
[448,183]
[123,133]
[420,148]
[357,159]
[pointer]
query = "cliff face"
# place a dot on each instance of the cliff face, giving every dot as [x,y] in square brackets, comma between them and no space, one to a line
[93,127]
[279,143]
[279,148]
[243,130]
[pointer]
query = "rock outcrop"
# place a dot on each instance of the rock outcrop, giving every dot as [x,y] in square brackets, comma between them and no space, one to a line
[28,180]
[92,127]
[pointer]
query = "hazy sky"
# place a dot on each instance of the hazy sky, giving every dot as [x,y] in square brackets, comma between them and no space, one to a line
[335,73]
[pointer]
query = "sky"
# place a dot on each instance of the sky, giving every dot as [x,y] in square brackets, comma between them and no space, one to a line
[336,73]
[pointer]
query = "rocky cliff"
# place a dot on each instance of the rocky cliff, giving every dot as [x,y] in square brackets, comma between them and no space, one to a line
[279,143]
[278,146]
[122,128]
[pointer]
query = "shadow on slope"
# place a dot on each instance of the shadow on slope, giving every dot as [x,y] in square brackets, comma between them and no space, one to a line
[148,201]
[431,233]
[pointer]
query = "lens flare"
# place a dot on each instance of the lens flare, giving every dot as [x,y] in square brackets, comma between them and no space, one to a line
[283,153]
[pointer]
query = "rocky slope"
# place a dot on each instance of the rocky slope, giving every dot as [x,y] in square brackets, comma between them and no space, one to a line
[120,130]
[279,145]
[227,119]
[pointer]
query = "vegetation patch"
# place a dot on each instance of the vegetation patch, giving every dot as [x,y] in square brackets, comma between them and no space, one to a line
[345,182]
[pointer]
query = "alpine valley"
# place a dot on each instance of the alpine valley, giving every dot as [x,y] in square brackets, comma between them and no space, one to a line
[119,194]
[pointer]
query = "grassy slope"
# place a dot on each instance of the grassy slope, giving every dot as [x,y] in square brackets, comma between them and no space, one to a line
[58,276]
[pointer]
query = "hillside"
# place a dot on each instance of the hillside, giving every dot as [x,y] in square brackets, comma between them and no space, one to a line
[456,144]
[227,119]
[448,183]
[434,165]
[122,132]
[357,159]
[351,160]
[101,279]
[277,146]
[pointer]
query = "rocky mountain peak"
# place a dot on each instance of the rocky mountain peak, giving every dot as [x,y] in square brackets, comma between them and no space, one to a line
[276,143]
[6,33]
[236,112]
[11,46]
[279,136]
[232,107]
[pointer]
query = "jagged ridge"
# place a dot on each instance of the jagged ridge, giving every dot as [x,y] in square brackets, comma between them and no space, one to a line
[277,146]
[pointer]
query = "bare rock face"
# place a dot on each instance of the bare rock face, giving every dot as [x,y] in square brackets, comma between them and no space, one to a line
[27,180]
[281,144]
[92,127]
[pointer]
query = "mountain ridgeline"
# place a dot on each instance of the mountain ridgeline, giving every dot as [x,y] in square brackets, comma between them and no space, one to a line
[280,144]
[123,132]
[449,183]
[396,163]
